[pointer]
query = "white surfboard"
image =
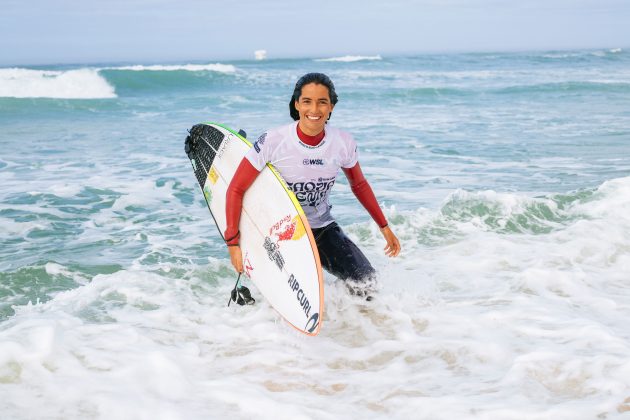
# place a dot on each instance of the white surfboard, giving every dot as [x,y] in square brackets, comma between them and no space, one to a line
[279,252]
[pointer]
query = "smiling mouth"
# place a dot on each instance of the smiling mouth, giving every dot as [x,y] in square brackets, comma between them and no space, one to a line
[312,118]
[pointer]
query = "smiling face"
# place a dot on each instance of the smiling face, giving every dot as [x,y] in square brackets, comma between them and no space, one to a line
[314,107]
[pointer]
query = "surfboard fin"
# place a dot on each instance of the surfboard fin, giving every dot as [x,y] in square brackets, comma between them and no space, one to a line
[242,133]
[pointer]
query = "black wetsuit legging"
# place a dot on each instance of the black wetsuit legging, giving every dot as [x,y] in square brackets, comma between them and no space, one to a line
[340,256]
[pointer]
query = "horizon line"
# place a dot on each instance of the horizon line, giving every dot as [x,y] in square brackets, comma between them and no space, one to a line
[323,57]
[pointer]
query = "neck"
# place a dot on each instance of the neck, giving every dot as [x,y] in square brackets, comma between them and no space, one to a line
[308,139]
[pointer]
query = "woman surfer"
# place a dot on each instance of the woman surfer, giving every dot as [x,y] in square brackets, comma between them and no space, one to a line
[308,155]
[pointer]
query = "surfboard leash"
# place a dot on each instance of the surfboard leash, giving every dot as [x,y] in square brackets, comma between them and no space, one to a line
[234,291]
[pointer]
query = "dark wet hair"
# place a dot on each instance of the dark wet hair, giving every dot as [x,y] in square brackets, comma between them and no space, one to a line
[318,79]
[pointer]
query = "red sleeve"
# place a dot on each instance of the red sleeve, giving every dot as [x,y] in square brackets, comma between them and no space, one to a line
[364,194]
[243,177]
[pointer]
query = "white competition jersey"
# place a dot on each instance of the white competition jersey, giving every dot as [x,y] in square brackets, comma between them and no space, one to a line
[310,171]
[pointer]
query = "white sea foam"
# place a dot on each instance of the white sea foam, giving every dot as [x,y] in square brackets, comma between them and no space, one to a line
[485,326]
[82,83]
[351,58]
[54,269]
[13,229]
[217,67]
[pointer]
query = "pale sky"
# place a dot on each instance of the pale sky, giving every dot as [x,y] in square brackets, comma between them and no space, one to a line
[144,31]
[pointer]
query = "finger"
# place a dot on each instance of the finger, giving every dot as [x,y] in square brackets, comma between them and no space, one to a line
[395,248]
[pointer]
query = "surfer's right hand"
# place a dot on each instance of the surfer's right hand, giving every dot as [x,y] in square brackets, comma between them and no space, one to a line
[392,248]
[236,257]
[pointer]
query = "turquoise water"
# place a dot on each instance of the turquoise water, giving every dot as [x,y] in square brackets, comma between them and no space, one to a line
[505,175]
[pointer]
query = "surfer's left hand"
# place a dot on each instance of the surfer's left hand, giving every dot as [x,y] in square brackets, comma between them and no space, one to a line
[392,248]
[236,257]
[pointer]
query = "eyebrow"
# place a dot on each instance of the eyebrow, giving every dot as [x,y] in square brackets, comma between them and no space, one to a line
[323,98]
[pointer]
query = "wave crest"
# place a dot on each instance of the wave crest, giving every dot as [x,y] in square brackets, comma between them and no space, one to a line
[217,67]
[351,58]
[508,213]
[69,84]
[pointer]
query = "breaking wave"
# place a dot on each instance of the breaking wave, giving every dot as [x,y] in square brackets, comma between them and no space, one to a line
[217,67]
[81,83]
[104,82]
[350,58]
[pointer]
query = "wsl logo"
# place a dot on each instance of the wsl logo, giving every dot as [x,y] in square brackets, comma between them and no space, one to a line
[312,162]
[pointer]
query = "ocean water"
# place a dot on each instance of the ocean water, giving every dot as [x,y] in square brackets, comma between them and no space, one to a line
[506,177]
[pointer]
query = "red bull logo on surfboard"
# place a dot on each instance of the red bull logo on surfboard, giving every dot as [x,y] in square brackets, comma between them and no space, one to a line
[287,229]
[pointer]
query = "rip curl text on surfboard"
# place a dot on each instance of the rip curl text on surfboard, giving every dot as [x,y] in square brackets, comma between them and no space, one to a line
[301,296]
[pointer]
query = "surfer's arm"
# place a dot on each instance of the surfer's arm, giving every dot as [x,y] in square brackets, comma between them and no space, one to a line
[362,190]
[243,178]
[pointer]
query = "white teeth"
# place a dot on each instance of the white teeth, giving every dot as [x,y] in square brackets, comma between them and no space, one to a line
[313,118]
